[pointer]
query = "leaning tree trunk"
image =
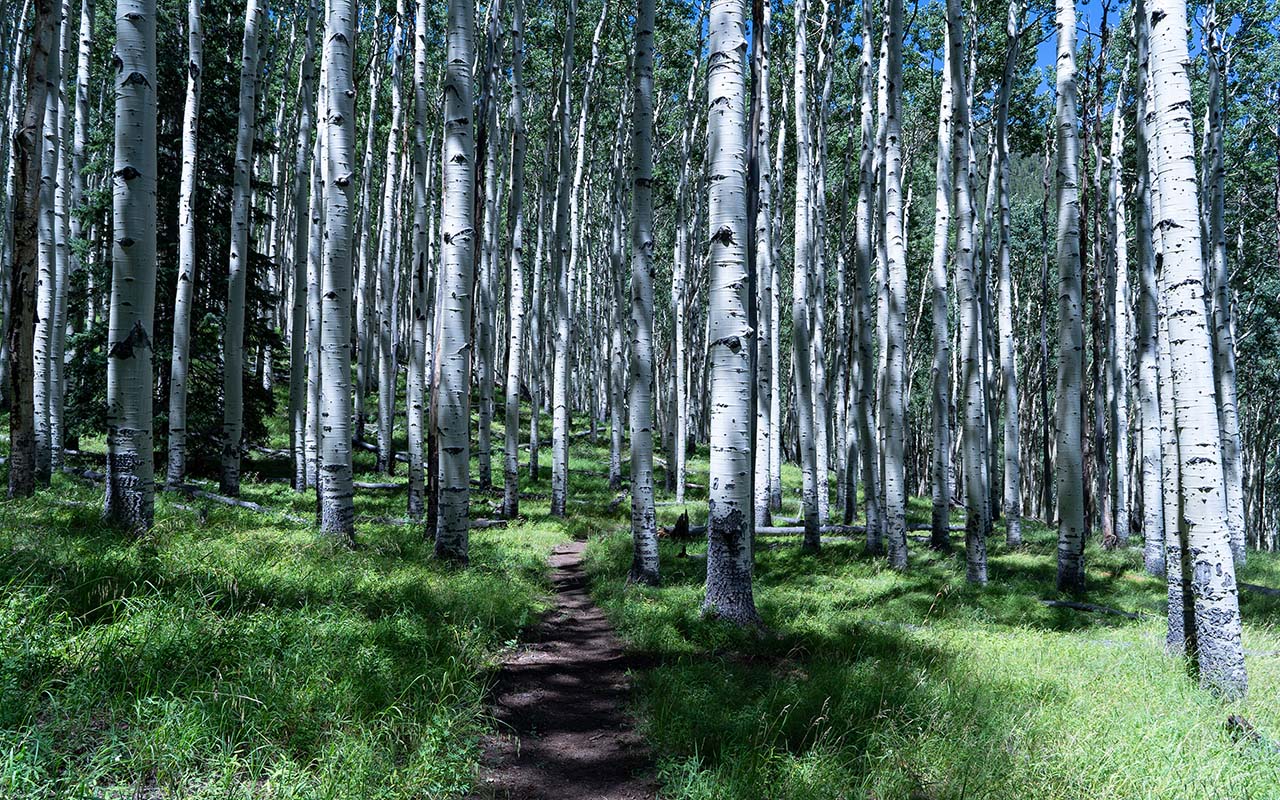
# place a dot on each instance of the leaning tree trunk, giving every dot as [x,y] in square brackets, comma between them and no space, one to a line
[644,533]
[238,271]
[801,365]
[1204,524]
[130,495]
[515,270]
[1070,462]
[451,409]
[186,251]
[301,237]
[729,531]
[334,476]
[20,333]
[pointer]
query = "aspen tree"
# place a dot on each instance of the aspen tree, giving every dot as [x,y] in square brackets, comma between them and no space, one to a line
[130,495]
[451,402]
[420,299]
[186,251]
[644,532]
[515,269]
[334,477]
[729,531]
[1203,523]
[48,275]
[1070,457]
[298,358]
[238,271]
[563,291]
[865,406]
[20,327]
[765,341]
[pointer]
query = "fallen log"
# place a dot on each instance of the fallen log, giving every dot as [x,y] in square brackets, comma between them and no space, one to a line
[1243,731]
[196,491]
[403,458]
[1091,607]
[389,486]
[1267,590]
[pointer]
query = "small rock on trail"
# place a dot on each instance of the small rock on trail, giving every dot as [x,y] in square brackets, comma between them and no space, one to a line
[561,703]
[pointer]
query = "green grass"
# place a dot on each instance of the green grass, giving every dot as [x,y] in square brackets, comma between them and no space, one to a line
[869,683]
[230,654]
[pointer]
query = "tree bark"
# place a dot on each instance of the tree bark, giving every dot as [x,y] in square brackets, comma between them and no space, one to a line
[515,269]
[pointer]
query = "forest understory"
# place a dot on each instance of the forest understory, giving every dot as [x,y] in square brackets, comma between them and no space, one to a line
[229,653]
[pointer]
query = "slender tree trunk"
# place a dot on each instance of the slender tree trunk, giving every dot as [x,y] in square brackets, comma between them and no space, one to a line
[186,251]
[48,276]
[865,380]
[337,513]
[644,533]
[940,536]
[451,406]
[416,383]
[560,376]
[1204,515]
[765,343]
[729,531]
[130,495]
[1150,411]
[1070,461]
[238,271]
[1118,328]
[1008,336]
[515,270]
[19,334]
[536,342]
[301,234]
[488,144]
[894,400]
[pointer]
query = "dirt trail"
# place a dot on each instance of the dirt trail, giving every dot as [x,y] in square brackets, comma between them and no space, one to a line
[561,702]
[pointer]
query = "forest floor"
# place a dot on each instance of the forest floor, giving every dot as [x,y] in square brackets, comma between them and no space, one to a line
[235,654]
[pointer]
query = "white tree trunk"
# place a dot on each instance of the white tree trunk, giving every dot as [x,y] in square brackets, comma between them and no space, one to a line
[238,270]
[301,235]
[130,495]
[644,533]
[729,530]
[186,250]
[1118,327]
[416,383]
[940,537]
[1203,522]
[337,513]
[515,269]
[864,248]
[452,397]
[560,376]
[1070,460]
[765,342]
[48,275]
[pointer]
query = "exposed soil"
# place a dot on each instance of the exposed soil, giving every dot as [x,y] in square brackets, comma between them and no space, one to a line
[561,703]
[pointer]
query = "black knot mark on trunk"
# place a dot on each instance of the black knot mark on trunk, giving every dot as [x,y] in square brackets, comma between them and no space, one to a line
[644,183]
[724,236]
[343,180]
[137,338]
[339,36]
[128,172]
[138,78]
[117,63]
[193,69]
[458,158]
[1157,16]
[126,242]
[734,343]
[453,451]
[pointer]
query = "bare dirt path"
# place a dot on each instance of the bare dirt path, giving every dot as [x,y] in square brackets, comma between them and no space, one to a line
[561,702]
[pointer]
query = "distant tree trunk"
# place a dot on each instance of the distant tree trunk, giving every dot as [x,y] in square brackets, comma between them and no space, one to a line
[801,324]
[452,401]
[644,533]
[1204,520]
[1118,327]
[1223,324]
[774,290]
[301,234]
[560,376]
[1008,334]
[1150,412]
[366,286]
[1070,460]
[20,333]
[864,247]
[238,271]
[130,494]
[387,256]
[416,384]
[515,270]
[729,530]
[337,513]
[488,144]
[62,242]
[315,257]
[940,536]
[186,251]
[536,313]
[765,343]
